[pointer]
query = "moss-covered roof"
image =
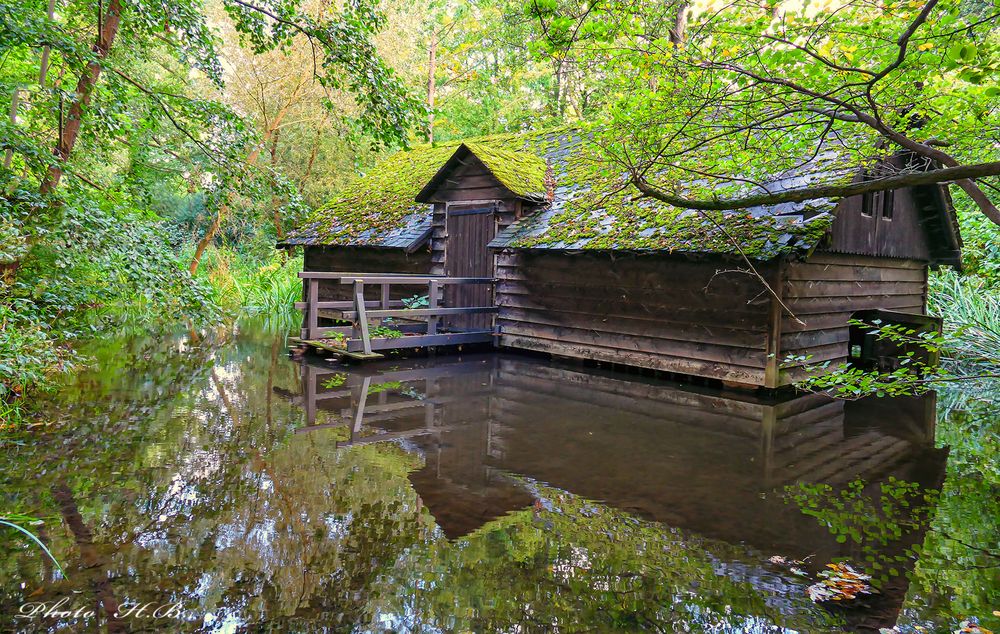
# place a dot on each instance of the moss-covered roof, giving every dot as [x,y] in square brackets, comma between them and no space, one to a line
[521,172]
[380,208]
[589,210]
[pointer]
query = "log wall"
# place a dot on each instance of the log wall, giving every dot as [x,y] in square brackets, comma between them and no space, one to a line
[364,260]
[698,318]
[827,289]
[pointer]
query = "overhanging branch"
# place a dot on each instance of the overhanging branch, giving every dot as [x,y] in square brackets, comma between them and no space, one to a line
[910,179]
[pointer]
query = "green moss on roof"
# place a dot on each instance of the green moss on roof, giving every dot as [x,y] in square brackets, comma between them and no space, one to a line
[521,172]
[673,230]
[593,211]
[376,202]
[590,209]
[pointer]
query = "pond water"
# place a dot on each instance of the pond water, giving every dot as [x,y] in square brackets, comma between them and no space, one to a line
[219,485]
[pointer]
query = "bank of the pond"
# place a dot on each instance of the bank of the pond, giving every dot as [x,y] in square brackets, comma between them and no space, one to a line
[42,330]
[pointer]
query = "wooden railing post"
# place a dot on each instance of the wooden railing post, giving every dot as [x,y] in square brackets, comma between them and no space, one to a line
[359,413]
[362,323]
[312,310]
[385,297]
[304,333]
[432,302]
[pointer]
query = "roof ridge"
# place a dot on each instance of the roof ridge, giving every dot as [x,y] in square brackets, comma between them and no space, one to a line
[499,136]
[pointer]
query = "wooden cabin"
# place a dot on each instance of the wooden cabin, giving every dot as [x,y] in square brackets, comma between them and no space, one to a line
[579,269]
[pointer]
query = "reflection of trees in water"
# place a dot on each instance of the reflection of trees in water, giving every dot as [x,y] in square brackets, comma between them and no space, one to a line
[959,568]
[198,492]
[187,494]
[570,564]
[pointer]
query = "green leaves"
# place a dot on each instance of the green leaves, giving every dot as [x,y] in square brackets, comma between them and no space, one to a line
[348,59]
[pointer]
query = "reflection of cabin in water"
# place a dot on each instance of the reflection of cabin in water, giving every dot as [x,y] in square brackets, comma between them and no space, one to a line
[520,240]
[701,460]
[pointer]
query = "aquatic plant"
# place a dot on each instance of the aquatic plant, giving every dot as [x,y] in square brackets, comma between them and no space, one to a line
[335,381]
[14,521]
[385,332]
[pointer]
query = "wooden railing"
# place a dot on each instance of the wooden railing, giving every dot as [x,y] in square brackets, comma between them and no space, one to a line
[423,326]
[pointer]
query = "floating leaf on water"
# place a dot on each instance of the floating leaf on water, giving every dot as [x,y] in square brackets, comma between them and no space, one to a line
[840,583]
[972,626]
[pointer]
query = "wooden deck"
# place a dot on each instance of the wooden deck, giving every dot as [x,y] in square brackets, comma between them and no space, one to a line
[365,327]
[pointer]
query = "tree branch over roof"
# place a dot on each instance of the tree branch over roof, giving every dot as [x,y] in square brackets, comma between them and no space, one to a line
[908,179]
[751,89]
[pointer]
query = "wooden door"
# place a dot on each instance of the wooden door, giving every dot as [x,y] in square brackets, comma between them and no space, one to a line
[469,228]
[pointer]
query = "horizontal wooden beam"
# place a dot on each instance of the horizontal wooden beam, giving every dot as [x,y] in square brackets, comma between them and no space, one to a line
[422,341]
[347,304]
[342,423]
[420,312]
[389,279]
[393,435]
[392,278]
[330,275]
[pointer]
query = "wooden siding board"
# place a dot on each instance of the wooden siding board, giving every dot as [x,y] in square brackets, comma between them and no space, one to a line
[826,291]
[652,311]
[847,259]
[363,260]
[625,301]
[660,343]
[749,376]
[825,288]
[611,307]
[751,338]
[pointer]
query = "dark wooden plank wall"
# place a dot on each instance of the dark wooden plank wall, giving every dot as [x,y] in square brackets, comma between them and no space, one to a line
[365,260]
[827,289]
[659,312]
[899,234]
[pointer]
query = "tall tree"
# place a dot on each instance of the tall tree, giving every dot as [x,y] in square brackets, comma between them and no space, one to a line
[69,128]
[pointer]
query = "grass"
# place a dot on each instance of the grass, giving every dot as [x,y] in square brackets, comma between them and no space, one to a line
[264,290]
[970,306]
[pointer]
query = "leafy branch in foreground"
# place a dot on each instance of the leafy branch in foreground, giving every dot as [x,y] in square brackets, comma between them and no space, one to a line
[749,90]
[969,348]
[913,376]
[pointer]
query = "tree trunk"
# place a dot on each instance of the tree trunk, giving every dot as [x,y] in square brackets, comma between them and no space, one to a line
[270,133]
[275,200]
[207,238]
[15,102]
[84,90]
[679,32]
[431,86]
[224,209]
[43,70]
[557,88]
[311,161]
[93,562]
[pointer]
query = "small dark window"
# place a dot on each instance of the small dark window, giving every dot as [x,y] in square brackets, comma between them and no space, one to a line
[887,204]
[867,204]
